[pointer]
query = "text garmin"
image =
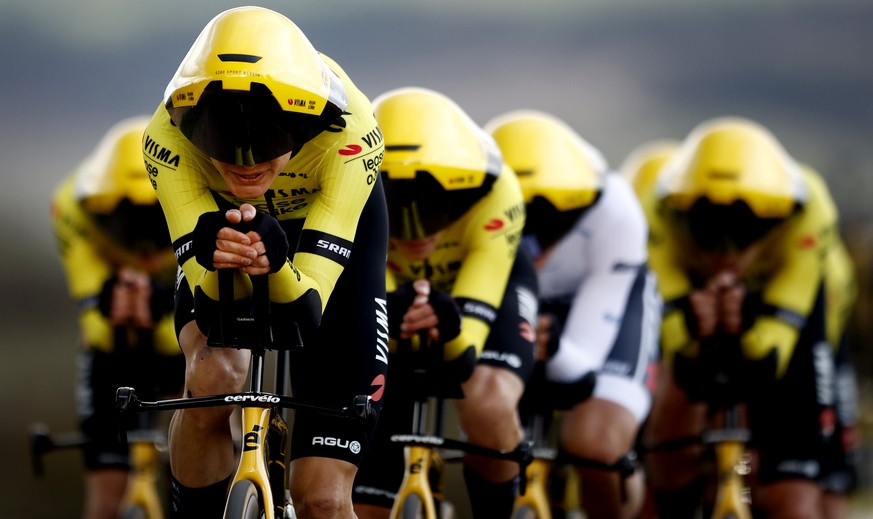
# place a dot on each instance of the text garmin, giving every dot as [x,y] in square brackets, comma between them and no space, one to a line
[161,154]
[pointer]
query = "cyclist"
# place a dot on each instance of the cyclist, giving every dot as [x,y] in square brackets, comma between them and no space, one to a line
[737,242]
[599,307]
[641,166]
[118,261]
[265,159]
[455,272]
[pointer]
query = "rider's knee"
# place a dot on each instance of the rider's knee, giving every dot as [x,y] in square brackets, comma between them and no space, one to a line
[317,505]
[216,371]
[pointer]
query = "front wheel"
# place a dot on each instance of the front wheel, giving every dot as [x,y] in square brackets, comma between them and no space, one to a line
[135,512]
[244,502]
[413,508]
[525,512]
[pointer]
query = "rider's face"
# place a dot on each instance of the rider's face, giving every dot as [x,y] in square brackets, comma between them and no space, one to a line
[251,181]
[417,250]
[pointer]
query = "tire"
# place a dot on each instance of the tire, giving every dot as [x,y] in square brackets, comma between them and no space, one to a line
[412,508]
[134,512]
[244,502]
[525,512]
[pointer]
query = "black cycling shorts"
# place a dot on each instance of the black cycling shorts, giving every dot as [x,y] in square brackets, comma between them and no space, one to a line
[791,425]
[98,376]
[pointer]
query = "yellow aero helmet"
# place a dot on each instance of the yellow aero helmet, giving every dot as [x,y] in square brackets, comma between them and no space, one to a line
[438,163]
[252,87]
[731,182]
[560,173]
[114,171]
[114,188]
[733,159]
[644,163]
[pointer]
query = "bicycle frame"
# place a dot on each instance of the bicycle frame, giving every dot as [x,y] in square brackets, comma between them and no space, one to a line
[423,452]
[142,490]
[535,497]
[732,465]
[264,431]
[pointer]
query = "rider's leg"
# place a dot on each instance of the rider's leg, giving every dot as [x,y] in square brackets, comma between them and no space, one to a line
[488,414]
[674,475]
[602,430]
[201,445]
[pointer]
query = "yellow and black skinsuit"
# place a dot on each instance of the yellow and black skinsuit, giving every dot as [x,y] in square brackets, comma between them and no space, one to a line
[329,201]
[795,307]
[148,359]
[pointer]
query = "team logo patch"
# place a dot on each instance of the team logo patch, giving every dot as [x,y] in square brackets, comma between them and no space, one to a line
[379,384]
[494,225]
[350,149]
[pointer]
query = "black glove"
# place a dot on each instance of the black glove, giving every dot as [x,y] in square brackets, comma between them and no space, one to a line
[448,314]
[444,305]
[267,227]
[272,235]
[398,302]
[205,235]
[104,300]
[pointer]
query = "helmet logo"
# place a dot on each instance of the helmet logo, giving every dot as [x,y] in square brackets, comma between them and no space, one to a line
[350,149]
[494,225]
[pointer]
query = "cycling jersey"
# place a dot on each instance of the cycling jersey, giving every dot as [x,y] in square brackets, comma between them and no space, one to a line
[788,272]
[472,259]
[326,183]
[598,271]
[90,259]
[147,359]
[798,281]
[330,203]
[477,260]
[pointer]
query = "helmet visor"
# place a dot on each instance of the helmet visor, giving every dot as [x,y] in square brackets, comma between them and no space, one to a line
[137,228]
[421,206]
[244,127]
[546,224]
[722,228]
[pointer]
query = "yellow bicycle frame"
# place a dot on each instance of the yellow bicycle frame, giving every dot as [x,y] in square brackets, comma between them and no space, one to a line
[143,479]
[536,494]
[418,461]
[252,464]
[731,466]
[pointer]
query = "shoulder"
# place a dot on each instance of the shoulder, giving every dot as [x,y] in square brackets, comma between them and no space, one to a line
[164,146]
[618,206]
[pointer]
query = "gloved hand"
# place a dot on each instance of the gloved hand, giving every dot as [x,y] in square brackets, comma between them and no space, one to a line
[272,235]
[131,298]
[265,227]
[205,237]
[419,308]
[398,302]
[448,315]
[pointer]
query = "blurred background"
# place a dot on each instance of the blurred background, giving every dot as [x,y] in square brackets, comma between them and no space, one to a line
[622,72]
